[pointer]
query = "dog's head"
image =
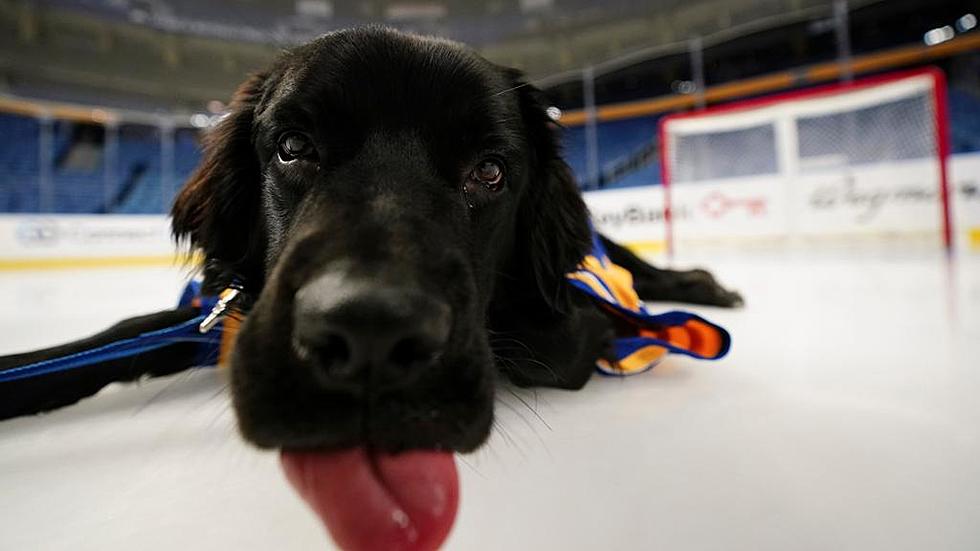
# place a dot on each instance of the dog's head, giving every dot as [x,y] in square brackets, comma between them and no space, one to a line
[378,192]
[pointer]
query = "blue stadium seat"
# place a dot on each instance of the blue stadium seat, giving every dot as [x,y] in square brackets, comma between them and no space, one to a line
[134,188]
[19,162]
[964,116]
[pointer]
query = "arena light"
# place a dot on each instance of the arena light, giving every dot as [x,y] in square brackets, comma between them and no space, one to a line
[966,23]
[528,6]
[416,11]
[318,9]
[938,35]
[200,120]
[683,87]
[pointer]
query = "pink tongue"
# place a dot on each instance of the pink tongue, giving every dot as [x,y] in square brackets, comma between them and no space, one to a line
[405,501]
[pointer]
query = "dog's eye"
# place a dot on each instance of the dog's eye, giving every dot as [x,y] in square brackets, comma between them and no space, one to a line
[294,145]
[489,174]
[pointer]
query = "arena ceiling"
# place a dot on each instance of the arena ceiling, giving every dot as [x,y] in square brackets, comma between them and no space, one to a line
[178,54]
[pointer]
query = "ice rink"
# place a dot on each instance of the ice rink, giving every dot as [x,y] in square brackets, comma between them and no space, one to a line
[845,417]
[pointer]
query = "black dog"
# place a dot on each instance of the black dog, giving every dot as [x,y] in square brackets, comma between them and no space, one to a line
[400,208]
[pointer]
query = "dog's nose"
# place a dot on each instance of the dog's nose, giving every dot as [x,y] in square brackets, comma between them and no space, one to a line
[353,329]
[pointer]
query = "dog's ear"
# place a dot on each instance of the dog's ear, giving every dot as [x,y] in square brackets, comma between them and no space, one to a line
[218,209]
[552,215]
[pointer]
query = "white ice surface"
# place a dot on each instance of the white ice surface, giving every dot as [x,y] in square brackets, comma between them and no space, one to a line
[847,416]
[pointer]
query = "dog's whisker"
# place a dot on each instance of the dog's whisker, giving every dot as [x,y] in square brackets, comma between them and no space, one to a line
[505,363]
[519,342]
[513,362]
[521,346]
[528,406]
[509,438]
[518,413]
[534,431]
[173,382]
[504,433]
[504,352]
[471,467]
[222,390]
[222,410]
[511,89]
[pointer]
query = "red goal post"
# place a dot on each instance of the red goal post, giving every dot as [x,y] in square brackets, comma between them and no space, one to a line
[853,160]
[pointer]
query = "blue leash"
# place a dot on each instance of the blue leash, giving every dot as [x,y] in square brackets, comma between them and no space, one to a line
[186,331]
[192,330]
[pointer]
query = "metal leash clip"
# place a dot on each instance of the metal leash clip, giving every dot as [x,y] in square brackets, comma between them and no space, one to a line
[220,310]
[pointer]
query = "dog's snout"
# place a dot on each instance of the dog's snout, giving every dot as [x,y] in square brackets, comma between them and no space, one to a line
[352,330]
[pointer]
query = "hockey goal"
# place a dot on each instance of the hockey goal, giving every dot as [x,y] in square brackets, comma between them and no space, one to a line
[864,160]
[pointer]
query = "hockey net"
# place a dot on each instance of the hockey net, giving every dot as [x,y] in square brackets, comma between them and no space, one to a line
[864,160]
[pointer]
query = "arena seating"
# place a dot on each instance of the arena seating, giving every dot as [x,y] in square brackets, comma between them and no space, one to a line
[19,162]
[135,185]
[964,116]
[627,157]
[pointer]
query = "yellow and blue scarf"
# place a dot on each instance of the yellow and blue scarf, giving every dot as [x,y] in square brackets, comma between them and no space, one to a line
[643,339]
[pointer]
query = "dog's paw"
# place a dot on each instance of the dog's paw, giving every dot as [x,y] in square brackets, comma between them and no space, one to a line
[732,299]
[700,287]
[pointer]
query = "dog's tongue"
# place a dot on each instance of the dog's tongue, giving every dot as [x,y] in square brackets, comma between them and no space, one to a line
[375,501]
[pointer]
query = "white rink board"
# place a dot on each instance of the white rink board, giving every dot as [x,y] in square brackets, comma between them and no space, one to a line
[898,201]
[632,215]
[84,236]
[965,180]
[900,198]
[748,207]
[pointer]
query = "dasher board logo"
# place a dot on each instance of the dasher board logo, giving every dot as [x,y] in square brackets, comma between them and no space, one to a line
[717,205]
[51,232]
[39,233]
[867,201]
[628,215]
